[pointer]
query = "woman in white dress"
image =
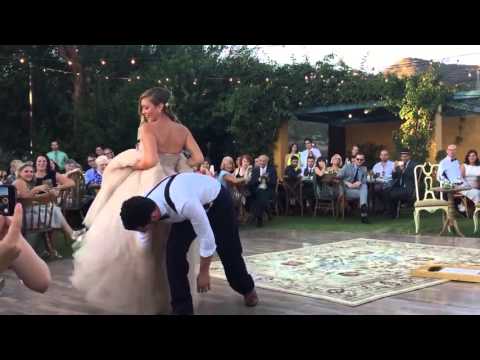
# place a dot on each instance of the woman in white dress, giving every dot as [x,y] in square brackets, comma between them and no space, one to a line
[111,268]
[471,173]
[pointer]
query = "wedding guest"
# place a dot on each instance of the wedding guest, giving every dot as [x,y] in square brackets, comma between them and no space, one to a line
[292,151]
[470,171]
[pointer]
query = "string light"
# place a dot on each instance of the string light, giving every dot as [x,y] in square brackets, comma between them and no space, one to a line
[159,81]
[195,82]
[469,74]
[138,77]
[78,74]
[129,80]
[350,116]
[231,79]
[167,79]
[103,62]
[106,78]
[70,63]
[267,79]
[22,60]
[132,61]
[238,81]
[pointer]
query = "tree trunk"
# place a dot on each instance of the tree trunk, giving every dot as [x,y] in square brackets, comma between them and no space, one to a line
[69,53]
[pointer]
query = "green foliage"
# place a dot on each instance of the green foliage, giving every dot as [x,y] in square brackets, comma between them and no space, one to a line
[232,102]
[423,95]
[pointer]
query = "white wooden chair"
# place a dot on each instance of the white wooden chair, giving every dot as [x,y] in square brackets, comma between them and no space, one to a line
[430,201]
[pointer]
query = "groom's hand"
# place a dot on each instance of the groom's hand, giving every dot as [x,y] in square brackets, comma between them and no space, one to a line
[203,282]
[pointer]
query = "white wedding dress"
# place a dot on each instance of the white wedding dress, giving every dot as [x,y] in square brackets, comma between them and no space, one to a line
[111,268]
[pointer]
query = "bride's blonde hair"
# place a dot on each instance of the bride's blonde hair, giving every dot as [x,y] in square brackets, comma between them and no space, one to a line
[157,95]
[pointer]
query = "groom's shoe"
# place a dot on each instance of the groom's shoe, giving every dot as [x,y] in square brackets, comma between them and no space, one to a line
[251,299]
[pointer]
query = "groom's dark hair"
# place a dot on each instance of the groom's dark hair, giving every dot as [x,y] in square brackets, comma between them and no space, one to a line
[136,212]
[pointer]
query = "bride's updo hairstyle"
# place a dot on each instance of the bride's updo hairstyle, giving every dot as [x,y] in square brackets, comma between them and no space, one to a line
[157,96]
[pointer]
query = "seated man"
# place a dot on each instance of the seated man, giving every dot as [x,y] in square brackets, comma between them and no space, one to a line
[292,172]
[403,186]
[292,176]
[355,183]
[382,171]
[308,172]
[262,187]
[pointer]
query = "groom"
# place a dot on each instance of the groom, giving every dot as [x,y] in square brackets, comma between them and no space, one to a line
[198,206]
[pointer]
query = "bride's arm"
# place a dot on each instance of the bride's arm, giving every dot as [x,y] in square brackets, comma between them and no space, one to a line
[192,146]
[150,151]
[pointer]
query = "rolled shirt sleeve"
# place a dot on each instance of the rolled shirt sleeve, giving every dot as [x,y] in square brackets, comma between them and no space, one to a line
[194,211]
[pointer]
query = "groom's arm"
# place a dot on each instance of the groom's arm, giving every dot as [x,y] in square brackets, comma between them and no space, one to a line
[193,210]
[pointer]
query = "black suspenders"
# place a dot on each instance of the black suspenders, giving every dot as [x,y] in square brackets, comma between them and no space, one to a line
[167,191]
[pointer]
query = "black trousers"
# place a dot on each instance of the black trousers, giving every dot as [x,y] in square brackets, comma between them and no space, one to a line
[261,201]
[225,229]
[395,195]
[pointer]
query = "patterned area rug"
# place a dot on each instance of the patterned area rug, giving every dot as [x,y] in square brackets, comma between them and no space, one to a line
[351,272]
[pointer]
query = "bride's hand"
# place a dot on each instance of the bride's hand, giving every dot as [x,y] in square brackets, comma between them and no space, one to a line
[203,282]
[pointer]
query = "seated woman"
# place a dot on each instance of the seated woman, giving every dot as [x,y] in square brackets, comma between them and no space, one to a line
[17,254]
[336,164]
[292,151]
[226,177]
[327,188]
[233,184]
[206,168]
[27,191]
[471,173]
[94,182]
[14,164]
[45,175]
[244,171]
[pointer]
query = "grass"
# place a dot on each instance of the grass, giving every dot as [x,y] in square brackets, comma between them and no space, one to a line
[430,224]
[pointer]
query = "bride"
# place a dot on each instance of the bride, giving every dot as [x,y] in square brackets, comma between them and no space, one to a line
[111,268]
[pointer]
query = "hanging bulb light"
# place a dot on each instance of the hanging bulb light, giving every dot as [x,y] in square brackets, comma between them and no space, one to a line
[167,79]
[350,116]
[22,60]
[106,78]
[231,79]
[103,62]
[195,82]
[138,77]
[78,74]
[238,81]
[159,81]
[132,61]
[129,80]
[69,62]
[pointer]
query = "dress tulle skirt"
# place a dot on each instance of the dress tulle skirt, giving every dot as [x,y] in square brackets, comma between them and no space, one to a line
[111,268]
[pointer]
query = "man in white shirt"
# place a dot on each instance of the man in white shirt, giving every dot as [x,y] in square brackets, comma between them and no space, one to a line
[449,167]
[383,177]
[197,206]
[383,170]
[449,170]
[309,151]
